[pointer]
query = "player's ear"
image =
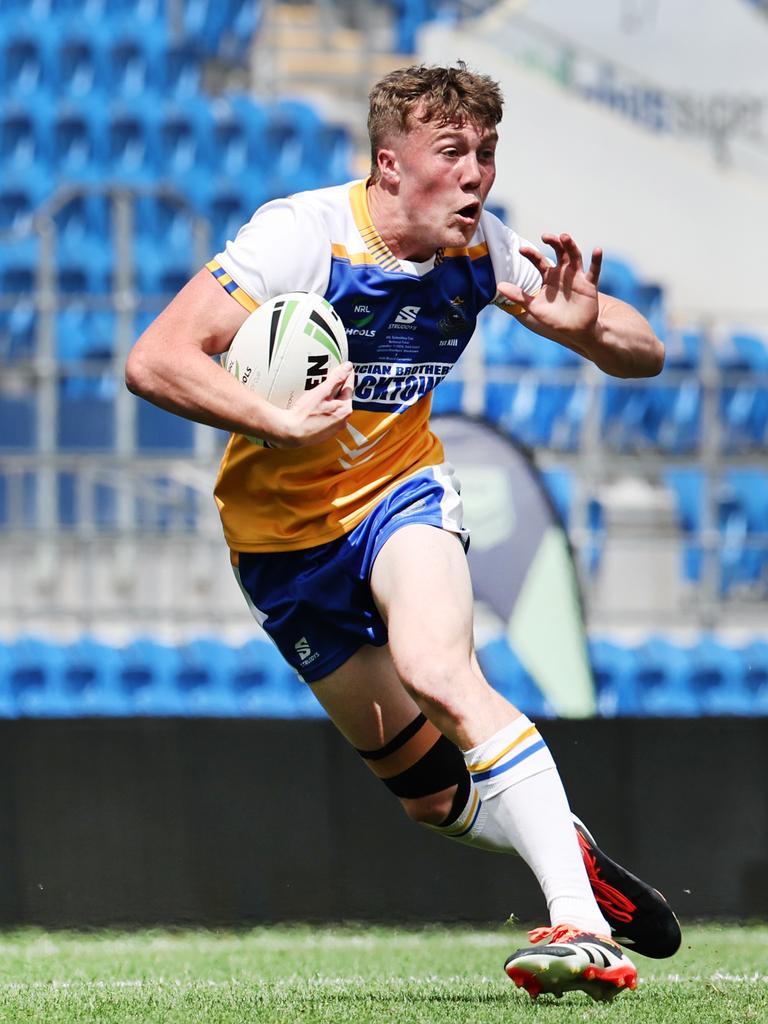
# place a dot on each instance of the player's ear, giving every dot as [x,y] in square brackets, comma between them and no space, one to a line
[388,167]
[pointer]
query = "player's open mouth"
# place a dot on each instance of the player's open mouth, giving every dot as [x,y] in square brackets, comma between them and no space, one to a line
[470,211]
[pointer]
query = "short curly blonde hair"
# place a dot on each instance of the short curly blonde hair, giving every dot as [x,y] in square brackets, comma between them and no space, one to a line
[445,95]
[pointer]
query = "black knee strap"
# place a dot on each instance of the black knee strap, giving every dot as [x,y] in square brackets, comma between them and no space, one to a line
[435,769]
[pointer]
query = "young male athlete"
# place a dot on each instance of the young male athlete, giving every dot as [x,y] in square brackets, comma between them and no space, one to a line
[345,529]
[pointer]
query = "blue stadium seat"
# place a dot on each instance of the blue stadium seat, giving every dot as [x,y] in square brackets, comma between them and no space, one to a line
[129,144]
[613,669]
[85,422]
[335,151]
[130,56]
[8,707]
[266,686]
[664,687]
[24,136]
[146,15]
[77,141]
[204,673]
[177,72]
[25,60]
[754,659]
[717,678]
[90,679]
[184,140]
[36,678]
[147,677]
[21,194]
[744,496]
[84,227]
[505,673]
[291,143]
[241,24]
[743,400]
[18,266]
[688,487]
[18,326]
[160,431]
[84,502]
[78,62]
[18,422]
[84,334]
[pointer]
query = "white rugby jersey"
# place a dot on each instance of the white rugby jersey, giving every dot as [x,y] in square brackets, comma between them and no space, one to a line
[407,324]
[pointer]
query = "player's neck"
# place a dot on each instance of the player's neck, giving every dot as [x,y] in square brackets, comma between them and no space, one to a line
[391,222]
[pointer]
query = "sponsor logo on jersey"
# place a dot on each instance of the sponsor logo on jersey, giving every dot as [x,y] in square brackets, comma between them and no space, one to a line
[393,384]
[407,315]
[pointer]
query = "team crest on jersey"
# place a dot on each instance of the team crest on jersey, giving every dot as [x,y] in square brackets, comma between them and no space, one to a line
[454,320]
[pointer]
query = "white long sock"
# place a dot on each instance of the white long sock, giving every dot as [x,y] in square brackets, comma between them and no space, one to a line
[517,801]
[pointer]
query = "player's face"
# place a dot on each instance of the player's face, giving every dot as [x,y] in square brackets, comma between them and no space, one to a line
[445,174]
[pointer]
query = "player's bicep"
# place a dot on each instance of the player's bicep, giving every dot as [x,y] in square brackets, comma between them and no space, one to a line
[202,314]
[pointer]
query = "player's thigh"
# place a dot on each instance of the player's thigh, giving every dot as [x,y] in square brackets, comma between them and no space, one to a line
[421,583]
[366,700]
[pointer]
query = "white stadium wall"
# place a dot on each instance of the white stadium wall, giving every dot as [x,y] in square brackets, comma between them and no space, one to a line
[661,203]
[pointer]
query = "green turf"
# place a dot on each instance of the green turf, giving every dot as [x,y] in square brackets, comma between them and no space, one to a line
[355,974]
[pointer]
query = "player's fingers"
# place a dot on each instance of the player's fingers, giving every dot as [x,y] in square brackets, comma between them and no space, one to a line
[511,294]
[595,266]
[538,259]
[553,241]
[572,251]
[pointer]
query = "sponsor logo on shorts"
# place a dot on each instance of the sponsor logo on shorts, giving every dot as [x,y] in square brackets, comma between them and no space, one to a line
[304,651]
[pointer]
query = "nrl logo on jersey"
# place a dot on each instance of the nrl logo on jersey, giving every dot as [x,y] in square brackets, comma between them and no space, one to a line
[359,323]
[455,319]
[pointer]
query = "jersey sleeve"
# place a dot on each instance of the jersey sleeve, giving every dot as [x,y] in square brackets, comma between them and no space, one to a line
[508,263]
[284,247]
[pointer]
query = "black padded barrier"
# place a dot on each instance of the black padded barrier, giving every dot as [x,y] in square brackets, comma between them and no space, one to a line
[237,822]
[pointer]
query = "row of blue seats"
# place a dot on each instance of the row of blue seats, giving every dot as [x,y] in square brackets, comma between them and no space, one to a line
[736,508]
[160,506]
[282,146]
[662,678]
[216,28]
[87,392]
[206,677]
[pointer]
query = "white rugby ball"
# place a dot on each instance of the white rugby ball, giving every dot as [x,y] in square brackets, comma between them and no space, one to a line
[287,346]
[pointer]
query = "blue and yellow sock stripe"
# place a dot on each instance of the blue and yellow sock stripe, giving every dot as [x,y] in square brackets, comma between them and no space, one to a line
[489,769]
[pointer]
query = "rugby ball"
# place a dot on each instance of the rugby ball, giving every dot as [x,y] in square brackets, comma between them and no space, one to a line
[287,346]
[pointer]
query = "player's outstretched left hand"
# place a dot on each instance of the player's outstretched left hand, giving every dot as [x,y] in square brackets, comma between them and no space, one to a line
[567,302]
[320,413]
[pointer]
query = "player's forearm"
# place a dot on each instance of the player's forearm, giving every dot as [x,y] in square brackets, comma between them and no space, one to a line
[187,382]
[621,342]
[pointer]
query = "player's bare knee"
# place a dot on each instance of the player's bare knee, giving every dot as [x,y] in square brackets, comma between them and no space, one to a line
[423,769]
[432,809]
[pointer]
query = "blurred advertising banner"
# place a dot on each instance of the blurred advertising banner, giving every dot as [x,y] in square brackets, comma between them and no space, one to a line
[521,562]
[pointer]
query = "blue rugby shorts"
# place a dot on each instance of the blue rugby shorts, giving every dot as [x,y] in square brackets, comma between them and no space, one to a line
[316,604]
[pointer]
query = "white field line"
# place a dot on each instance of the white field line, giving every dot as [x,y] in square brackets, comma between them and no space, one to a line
[338,983]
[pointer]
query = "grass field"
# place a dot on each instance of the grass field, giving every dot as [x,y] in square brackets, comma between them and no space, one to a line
[353,974]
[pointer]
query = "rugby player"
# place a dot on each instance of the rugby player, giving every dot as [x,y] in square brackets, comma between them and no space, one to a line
[345,526]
